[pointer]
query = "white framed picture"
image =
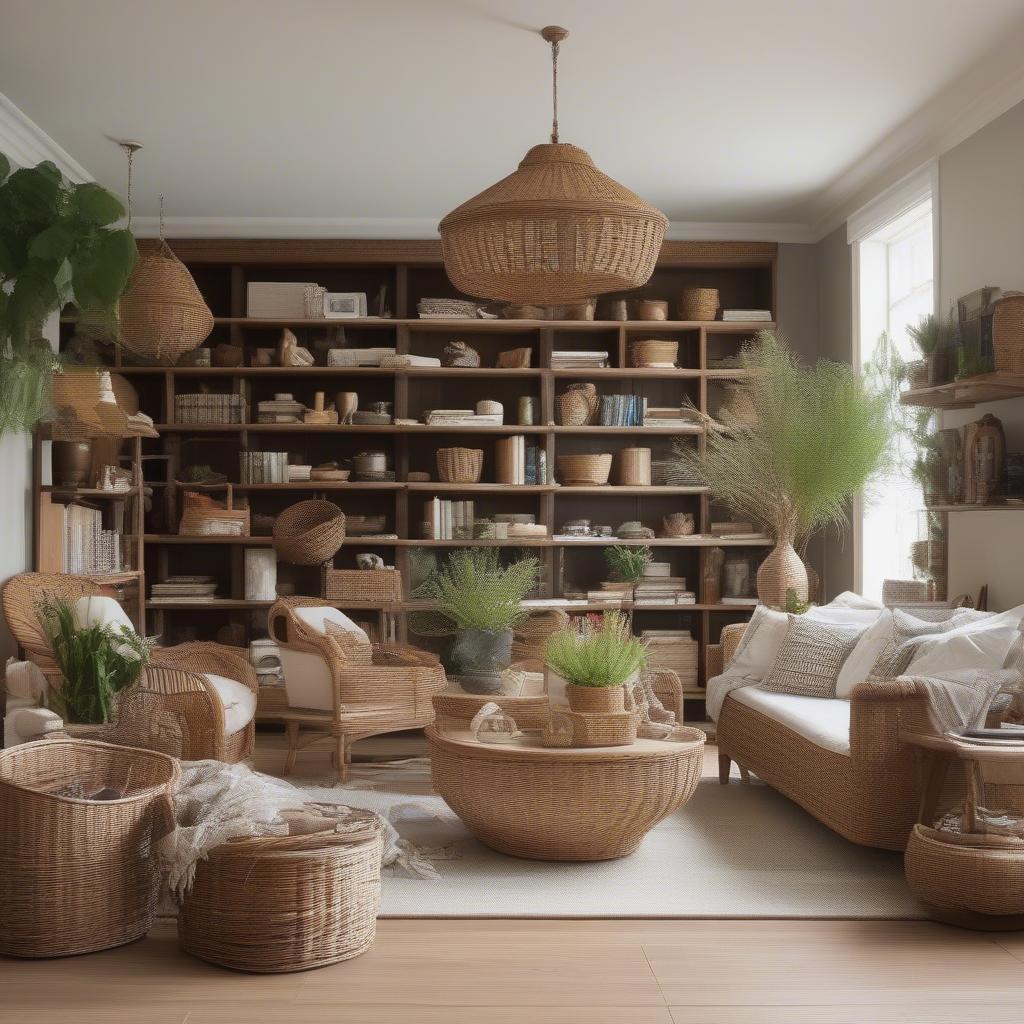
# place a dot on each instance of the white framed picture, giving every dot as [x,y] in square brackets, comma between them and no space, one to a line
[344,305]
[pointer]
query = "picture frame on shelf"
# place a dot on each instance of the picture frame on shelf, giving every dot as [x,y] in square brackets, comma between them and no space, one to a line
[344,305]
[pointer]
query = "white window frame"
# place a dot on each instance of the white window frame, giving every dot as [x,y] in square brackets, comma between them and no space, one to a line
[898,199]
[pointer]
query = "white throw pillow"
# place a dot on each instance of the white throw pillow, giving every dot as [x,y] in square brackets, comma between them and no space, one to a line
[317,617]
[101,611]
[238,701]
[859,664]
[760,644]
[980,644]
[848,599]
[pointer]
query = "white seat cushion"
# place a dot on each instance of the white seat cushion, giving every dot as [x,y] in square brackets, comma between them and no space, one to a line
[317,617]
[307,680]
[101,611]
[238,700]
[825,721]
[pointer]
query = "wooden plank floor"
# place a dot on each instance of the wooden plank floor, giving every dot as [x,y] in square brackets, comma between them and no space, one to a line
[553,972]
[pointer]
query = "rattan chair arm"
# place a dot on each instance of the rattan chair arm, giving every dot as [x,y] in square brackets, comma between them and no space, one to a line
[882,713]
[731,636]
[879,690]
[205,657]
[714,663]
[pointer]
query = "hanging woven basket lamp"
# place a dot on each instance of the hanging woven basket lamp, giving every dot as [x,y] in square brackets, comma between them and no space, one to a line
[162,313]
[555,231]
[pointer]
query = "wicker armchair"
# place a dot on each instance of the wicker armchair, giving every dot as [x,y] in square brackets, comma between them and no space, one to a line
[174,707]
[871,795]
[367,689]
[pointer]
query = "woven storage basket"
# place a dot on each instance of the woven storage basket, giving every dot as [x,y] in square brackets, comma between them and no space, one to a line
[309,532]
[203,516]
[78,875]
[698,304]
[653,351]
[584,470]
[162,313]
[369,585]
[458,709]
[532,636]
[617,730]
[577,406]
[1008,334]
[460,465]
[635,467]
[286,903]
[895,592]
[917,374]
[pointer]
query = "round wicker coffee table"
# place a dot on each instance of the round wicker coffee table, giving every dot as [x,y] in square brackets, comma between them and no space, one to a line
[548,803]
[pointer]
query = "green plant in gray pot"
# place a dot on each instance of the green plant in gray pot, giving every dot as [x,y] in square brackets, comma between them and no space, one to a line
[477,601]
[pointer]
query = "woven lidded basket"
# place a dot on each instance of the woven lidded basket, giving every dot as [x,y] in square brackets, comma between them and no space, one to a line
[653,352]
[698,304]
[78,875]
[460,465]
[585,470]
[577,406]
[359,585]
[1008,334]
[603,730]
[309,532]
[286,903]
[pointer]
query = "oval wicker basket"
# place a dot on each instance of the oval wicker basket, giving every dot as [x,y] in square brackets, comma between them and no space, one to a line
[584,470]
[78,875]
[309,532]
[653,352]
[698,304]
[286,903]
[460,465]
[577,406]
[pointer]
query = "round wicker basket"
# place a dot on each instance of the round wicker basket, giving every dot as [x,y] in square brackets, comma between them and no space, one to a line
[309,532]
[577,406]
[653,352]
[275,904]
[584,470]
[78,875]
[460,465]
[596,700]
[635,467]
[698,304]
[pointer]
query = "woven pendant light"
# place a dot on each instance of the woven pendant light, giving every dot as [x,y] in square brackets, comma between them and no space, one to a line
[555,231]
[162,313]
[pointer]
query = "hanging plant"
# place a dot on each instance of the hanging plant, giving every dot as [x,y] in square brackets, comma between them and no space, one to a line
[56,246]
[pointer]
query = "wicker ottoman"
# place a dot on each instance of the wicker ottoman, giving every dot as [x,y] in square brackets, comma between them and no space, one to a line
[564,804]
[276,904]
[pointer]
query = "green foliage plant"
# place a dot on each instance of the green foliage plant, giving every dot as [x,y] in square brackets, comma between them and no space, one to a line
[57,245]
[597,655]
[627,565]
[97,662]
[927,334]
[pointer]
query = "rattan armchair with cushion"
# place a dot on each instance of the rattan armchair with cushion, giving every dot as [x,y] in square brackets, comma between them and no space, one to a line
[194,701]
[341,687]
[866,789]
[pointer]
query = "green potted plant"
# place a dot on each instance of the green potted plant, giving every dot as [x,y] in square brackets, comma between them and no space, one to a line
[810,438]
[97,662]
[927,336]
[478,602]
[596,660]
[627,566]
[56,246]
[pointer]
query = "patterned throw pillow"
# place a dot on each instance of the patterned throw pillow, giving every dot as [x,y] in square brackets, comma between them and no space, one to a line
[811,657]
[907,630]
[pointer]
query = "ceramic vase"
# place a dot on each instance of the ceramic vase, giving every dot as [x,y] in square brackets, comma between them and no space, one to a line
[346,403]
[70,462]
[779,573]
[481,656]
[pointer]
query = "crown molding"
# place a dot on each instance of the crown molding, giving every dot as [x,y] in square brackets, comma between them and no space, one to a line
[27,144]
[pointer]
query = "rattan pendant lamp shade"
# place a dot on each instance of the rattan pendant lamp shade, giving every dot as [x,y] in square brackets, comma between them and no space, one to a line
[556,230]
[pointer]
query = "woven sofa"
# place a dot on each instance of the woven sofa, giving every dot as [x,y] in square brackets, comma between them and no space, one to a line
[841,760]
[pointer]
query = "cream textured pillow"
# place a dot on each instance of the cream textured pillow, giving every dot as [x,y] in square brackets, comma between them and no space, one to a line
[811,657]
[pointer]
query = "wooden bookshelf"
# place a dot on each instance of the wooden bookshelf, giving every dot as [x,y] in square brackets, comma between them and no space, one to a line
[744,273]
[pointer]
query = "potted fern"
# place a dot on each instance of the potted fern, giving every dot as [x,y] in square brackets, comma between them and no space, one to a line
[627,566]
[478,602]
[596,660]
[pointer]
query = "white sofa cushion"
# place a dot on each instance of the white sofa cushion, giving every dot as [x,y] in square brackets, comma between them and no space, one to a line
[861,661]
[759,646]
[978,643]
[317,617]
[307,680]
[101,611]
[238,701]
[823,721]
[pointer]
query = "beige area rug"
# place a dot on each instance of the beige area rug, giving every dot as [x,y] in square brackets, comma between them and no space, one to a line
[732,851]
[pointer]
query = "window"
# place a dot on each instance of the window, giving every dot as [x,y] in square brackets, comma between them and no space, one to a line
[894,263]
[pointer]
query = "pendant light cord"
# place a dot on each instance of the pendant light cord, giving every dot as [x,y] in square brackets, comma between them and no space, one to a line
[554,91]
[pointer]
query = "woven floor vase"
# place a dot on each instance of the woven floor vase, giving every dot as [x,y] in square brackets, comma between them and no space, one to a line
[162,313]
[782,571]
[555,231]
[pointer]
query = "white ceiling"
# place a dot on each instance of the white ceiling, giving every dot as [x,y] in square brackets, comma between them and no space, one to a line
[383,115]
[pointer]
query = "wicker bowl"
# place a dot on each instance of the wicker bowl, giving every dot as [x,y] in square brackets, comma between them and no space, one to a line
[585,470]
[460,465]
[654,352]
[698,304]
[577,406]
[309,533]
[78,875]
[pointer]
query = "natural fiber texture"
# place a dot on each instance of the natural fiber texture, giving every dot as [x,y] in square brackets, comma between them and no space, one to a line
[78,875]
[584,470]
[455,709]
[1008,334]
[603,730]
[460,465]
[653,352]
[531,636]
[205,516]
[577,406]
[373,586]
[905,591]
[781,573]
[810,658]
[557,804]
[596,700]
[162,313]
[635,467]
[698,304]
[309,533]
[387,695]
[555,231]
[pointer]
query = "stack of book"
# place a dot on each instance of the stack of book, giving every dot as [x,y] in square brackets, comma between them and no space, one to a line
[205,408]
[685,419]
[299,474]
[747,315]
[280,410]
[519,463]
[462,418]
[185,589]
[449,520]
[623,410]
[663,590]
[263,468]
[673,649]
[737,531]
[358,356]
[578,360]
[88,548]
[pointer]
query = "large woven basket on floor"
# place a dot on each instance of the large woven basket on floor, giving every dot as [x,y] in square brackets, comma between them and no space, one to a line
[78,875]
[309,532]
[584,470]
[460,465]
[286,903]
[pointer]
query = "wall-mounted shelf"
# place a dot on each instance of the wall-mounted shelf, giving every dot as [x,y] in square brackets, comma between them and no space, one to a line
[966,393]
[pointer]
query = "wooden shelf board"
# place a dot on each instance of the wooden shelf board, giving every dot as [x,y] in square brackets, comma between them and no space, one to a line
[481,488]
[974,508]
[326,428]
[963,394]
[261,541]
[546,542]
[227,604]
[691,429]
[471,324]
[295,485]
[628,373]
[608,490]
[613,490]
[88,493]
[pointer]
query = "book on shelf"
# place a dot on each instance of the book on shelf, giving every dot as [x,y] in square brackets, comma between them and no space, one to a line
[263,468]
[747,315]
[184,589]
[738,601]
[517,462]
[623,410]
[578,360]
[85,547]
[462,418]
[209,408]
[450,520]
